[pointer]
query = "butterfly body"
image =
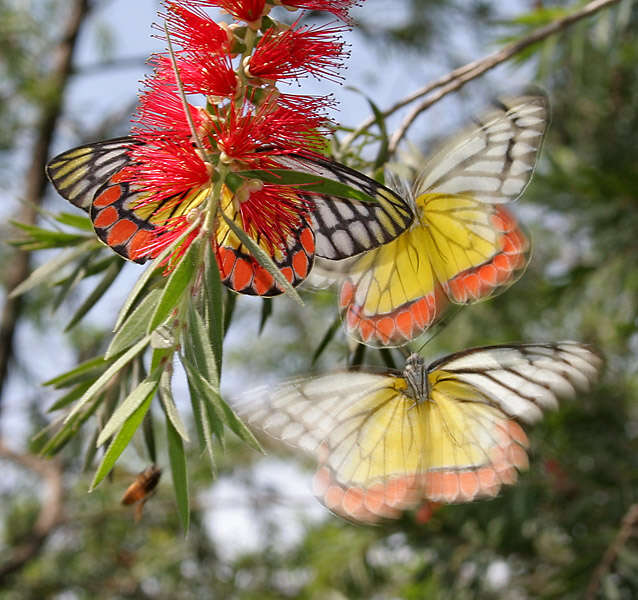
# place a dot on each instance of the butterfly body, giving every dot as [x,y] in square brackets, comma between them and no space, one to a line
[444,432]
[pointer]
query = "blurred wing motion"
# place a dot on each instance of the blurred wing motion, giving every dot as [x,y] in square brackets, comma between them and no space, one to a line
[464,245]
[444,433]
[90,177]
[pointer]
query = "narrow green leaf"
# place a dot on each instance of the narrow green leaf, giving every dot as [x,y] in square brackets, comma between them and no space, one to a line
[198,347]
[67,284]
[309,182]
[70,397]
[213,299]
[149,436]
[68,429]
[110,372]
[266,311]
[120,441]
[262,257]
[177,459]
[212,395]
[45,271]
[203,427]
[170,409]
[77,221]
[84,371]
[326,339]
[176,285]
[388,359]
[109,277]
[229,309]
[145,389]
[134,327]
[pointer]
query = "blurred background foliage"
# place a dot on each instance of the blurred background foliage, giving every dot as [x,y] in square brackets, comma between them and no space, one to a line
[559,533]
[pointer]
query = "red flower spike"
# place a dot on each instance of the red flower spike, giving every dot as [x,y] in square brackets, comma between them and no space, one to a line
[244,10]
[339,8]
[241,132]
[165,167]
[271,212]
[295,52]
[208,74]
[195,31]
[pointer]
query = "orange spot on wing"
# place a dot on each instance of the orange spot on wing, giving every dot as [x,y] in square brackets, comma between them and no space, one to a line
[121,232]
[106,217]
[489,275]
[468,485]
[385,329]
[346,294]
[263,281]
[307,240]
[288,273]
[108,196]
[139,243]
[300,264]
[404,323]
[366,328]
[242,274]
[225,260]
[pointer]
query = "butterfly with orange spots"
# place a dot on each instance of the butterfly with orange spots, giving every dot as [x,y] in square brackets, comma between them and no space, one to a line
[335,228]
[444,433]
[463,246]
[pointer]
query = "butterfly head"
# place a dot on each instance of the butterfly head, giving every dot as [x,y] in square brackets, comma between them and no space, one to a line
[416,376]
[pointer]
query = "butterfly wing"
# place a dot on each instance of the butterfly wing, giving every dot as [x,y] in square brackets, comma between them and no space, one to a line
[473,246]
[348,227]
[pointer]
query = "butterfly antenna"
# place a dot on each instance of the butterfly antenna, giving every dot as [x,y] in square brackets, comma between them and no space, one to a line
[182,94]
[440,326]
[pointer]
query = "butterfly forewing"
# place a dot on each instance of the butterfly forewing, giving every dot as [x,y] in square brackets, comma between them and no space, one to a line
[347,227]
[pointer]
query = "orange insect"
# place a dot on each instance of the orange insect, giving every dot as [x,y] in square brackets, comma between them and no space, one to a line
[142,489]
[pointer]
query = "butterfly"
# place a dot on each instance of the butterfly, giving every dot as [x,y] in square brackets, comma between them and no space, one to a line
[90,177]
[445,432]
[463,245]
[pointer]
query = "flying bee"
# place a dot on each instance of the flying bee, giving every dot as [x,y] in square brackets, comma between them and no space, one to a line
[142,489]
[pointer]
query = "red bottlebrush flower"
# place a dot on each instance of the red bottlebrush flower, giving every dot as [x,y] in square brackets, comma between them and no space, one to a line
[244,10]
[241,132]
[297,51]
[208,74]
[196,32]
[271,212]
[161,109]
[339,8]
[165,167]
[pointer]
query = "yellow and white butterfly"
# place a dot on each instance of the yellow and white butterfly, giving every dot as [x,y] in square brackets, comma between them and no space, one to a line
[463,245]
[446,432]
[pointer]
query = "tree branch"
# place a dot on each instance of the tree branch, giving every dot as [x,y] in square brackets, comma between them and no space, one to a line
[50,513]
[626,529]
[19,266]
[459,77]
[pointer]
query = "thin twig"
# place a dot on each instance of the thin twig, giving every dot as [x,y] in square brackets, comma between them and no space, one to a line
[459,77]
[629,521]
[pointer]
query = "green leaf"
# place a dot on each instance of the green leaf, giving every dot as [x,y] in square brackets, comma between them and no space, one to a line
[86,370]
[109,277]
[178,282]
[149,436]
[168,404]
[67,284]
[77,221]
[134,327]
[120,441]
[213,396]
[69,429]
[326,339]
[198,347]
[45,271]
[214,306]
[229,309]
[263,259]
[109,373]
[203,426]
[266,311]
[177,459]
[133,401]
[70,397]
[308,182]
